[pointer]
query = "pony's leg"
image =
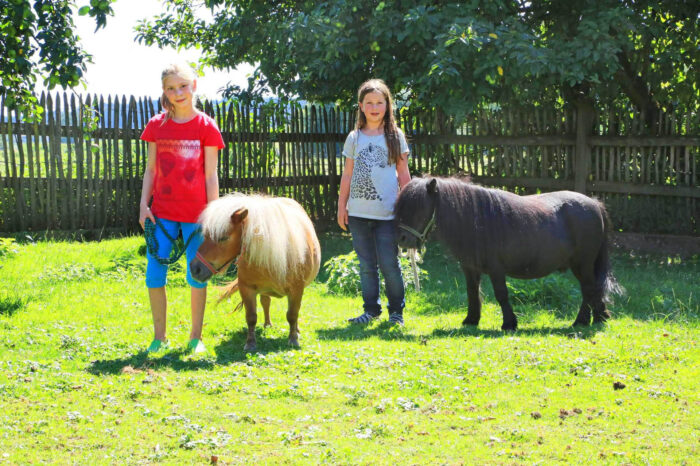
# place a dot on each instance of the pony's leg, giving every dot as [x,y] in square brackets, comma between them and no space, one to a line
[474,309]
[584,274]
[294,303]
[265,302]
[600,313]
[248,297]
[510,322]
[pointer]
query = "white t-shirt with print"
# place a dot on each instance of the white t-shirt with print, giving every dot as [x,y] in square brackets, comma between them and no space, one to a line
[375,185]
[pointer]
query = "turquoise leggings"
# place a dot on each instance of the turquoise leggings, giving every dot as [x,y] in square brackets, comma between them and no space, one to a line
[156,273]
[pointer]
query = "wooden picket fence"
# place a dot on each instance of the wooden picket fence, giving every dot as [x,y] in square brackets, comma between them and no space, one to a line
[79,168]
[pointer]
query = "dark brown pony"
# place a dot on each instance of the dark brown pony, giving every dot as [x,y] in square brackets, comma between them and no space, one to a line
[274,244]
[502,234]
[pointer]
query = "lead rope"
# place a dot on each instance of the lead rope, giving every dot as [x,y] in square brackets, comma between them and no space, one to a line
[176,253]
[415,258]
[412,253]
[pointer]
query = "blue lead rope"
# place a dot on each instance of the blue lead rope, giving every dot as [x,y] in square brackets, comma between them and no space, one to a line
[152,243]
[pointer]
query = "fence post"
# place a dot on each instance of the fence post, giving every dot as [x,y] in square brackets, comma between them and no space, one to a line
[584,118]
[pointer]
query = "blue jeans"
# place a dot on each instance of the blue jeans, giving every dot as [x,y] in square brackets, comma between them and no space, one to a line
[156,273]
[374,242]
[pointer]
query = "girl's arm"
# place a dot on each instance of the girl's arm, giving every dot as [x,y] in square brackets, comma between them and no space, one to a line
[402,170]
[147,186]
[345,193]
[211,177]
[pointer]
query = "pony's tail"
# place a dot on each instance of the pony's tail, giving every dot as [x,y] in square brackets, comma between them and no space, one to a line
[603,272]
[230,290]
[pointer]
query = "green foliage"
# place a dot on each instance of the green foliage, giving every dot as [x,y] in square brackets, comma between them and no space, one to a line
[555,291]
[39,41]
[451,55]
[344,274]
[8,246]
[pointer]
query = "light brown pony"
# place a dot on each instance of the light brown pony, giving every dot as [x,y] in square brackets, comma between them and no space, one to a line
[274,244]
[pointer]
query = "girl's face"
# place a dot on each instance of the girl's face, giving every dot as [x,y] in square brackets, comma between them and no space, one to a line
[373,105]
[179,91]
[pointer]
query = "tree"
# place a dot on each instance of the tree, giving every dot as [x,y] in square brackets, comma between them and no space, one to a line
[38,40]
[453,55]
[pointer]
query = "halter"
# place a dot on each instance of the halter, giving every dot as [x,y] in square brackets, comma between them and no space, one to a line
[420,236]
[213,269]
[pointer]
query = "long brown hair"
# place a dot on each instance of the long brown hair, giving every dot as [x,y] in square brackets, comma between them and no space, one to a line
[183,71]
[391,131]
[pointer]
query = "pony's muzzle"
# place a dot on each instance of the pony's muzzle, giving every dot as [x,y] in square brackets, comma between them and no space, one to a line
[199,270]
[406,240]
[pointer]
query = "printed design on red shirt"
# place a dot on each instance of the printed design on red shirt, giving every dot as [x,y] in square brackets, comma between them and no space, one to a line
[182,159]
[188,149]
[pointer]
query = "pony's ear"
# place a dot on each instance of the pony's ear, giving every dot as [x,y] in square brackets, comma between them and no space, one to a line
[239,215]
[432,186]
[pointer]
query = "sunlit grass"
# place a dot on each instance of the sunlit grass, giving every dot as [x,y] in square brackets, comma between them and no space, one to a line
[77,387]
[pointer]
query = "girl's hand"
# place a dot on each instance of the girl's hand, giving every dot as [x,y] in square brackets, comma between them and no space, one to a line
[144,213]
[343,217]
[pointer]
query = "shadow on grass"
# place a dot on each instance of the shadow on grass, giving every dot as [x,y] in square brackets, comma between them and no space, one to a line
[142,361]
[228,351]
[9,305]
[580,333]
[383,331]
[230,348]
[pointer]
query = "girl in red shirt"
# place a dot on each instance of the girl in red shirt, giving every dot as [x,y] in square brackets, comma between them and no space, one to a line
[180,178]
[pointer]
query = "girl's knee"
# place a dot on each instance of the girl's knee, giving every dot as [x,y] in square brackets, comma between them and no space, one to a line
[155,282]
[156,273]
[194,283]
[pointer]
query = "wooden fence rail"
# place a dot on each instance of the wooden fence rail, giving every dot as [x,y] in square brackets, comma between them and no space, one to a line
[80,166]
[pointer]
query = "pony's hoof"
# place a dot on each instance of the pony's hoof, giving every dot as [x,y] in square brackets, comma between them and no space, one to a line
[602,317]
[294,343]
[580,323]
[267,324]
[471,322]
[509,327]
[250,347]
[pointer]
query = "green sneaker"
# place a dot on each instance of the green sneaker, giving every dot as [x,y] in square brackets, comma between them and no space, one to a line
[157,346]
[195,346]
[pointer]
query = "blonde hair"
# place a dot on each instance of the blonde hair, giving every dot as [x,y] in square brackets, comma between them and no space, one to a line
[176,69]
[391,131]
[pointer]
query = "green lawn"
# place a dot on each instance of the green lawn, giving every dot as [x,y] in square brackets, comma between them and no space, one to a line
[77,387]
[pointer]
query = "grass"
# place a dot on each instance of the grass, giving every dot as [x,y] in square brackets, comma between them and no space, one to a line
[77,387]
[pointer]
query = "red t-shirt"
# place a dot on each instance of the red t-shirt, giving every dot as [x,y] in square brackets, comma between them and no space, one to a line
[179,190]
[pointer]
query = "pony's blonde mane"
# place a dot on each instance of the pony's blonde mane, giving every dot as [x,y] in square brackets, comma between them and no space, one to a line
[274,231]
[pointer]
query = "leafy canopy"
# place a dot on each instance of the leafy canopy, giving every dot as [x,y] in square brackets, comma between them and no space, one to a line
[453,55]
[38,40]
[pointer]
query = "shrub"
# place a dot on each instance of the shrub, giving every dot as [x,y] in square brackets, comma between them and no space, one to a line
[344,274]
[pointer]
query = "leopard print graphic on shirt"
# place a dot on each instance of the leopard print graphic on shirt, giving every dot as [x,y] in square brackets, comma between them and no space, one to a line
[363,187]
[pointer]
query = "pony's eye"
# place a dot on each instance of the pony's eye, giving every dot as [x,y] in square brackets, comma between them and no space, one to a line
[222,240]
